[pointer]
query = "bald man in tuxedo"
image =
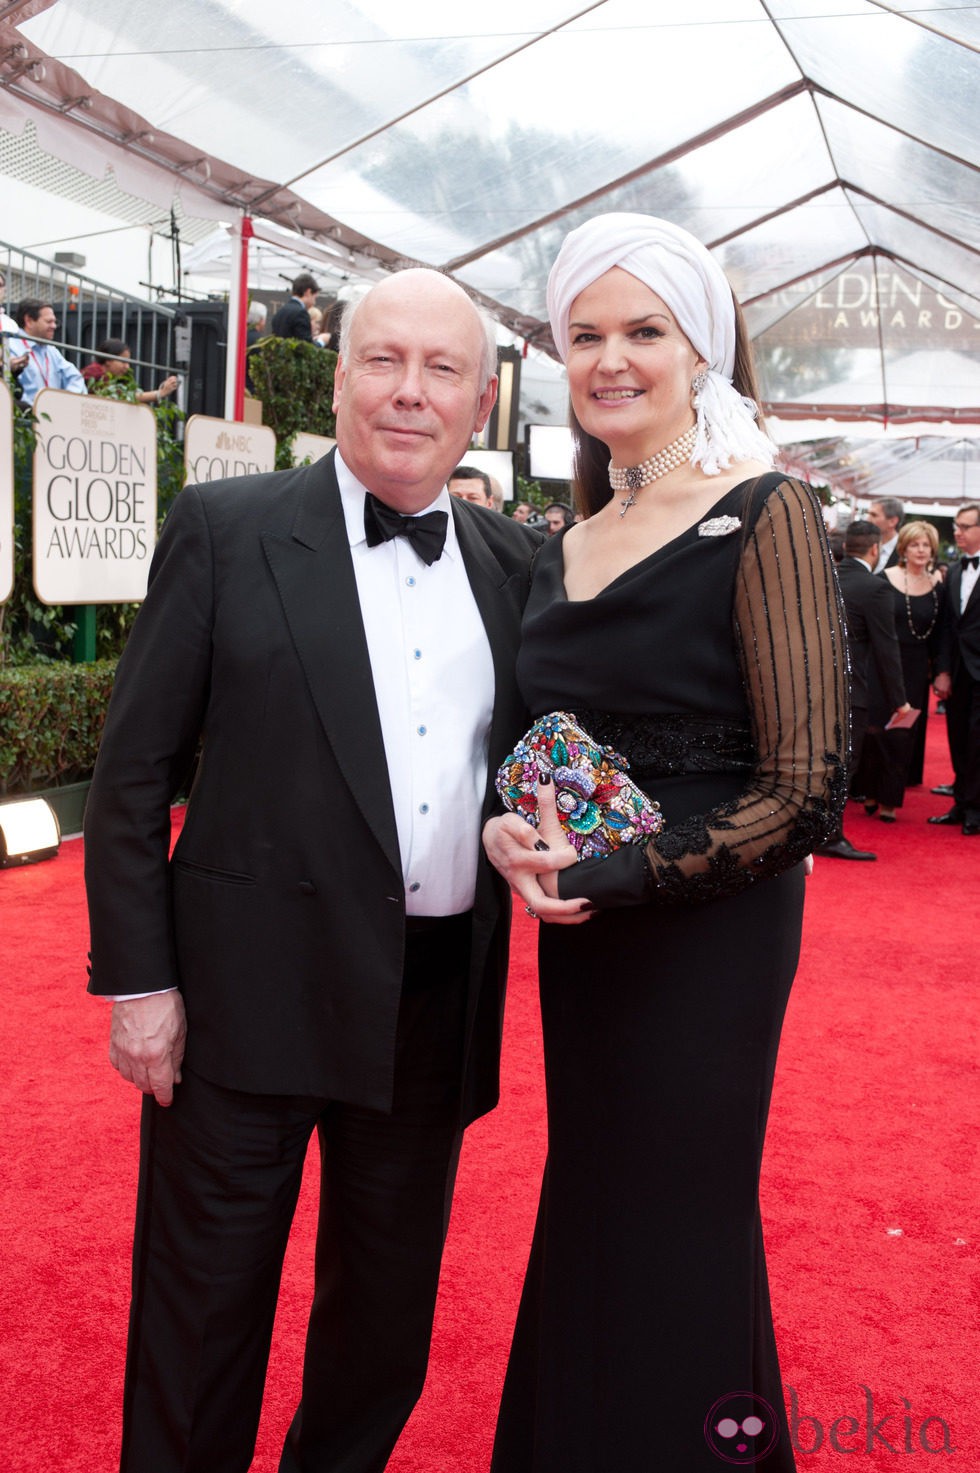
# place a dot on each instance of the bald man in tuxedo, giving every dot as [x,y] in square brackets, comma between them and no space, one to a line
[326,949]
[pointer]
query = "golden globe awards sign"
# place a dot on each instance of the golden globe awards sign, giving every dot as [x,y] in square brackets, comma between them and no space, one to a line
[6,493]
[95,499]
[216,448]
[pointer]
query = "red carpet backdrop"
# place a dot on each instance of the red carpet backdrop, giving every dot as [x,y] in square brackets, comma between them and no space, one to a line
[870,1193]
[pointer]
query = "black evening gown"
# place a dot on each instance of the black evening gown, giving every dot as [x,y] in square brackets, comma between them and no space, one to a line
[893,760]
[716,666]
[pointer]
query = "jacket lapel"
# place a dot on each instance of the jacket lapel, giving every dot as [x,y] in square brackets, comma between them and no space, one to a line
[314,574]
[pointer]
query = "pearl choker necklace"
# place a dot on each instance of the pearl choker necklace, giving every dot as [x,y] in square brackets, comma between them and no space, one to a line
[632,478]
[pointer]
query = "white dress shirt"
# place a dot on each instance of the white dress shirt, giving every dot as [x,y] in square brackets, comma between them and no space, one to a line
[884,553]
[433,679]
[968,581]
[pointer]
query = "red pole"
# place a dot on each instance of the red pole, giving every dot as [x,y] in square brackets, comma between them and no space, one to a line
[247,234]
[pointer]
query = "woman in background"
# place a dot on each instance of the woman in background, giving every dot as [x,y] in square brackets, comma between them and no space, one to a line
[692,623]
[112,363]
[321,338]
[893,760]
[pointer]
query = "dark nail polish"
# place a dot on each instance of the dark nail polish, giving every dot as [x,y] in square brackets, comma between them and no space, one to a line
[544,779]
[542,845]
[589,905]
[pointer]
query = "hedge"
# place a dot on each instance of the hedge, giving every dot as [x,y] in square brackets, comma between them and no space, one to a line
[294,380]
[51,719]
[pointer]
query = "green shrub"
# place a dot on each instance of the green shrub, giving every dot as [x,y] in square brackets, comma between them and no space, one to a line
[294,380]
[51,719]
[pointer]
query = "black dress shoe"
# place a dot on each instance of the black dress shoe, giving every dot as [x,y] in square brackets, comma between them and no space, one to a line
[943,790]
[843,849]
[949,820]
[972,828]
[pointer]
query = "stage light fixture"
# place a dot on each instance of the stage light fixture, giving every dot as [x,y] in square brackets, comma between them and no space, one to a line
[29,832]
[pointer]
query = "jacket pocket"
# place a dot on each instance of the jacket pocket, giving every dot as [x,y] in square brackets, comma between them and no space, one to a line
[209,872]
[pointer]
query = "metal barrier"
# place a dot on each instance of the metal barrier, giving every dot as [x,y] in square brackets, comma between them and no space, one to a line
[88,311]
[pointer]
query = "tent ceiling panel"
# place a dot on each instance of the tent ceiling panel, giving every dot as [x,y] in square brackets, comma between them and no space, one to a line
[275,90]
[957,19]
[826,150]
[769,311]
[968,302]
[495,155]
[913,178]
[886,66]
[946,261]
[795,243]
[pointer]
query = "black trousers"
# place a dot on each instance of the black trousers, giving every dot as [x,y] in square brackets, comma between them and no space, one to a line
[220,1174]
[963,731]
[858,732]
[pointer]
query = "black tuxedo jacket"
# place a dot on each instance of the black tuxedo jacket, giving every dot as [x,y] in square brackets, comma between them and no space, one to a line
[870,617]
[282,915]
[292,321]
[960,644]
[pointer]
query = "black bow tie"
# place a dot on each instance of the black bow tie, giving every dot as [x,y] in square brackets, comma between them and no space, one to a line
[426,533]
[970,562]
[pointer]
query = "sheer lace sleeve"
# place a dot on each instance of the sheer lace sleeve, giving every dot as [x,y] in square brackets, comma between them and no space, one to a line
[790,637]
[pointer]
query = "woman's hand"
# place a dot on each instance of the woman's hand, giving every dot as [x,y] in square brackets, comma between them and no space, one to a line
[529,860]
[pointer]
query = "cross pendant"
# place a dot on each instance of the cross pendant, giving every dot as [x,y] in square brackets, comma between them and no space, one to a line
[626,503]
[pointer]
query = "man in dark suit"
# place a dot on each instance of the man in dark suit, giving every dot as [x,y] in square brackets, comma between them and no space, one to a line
[886,513]
[958,683]
[870,636]
[293,318]
[327,920]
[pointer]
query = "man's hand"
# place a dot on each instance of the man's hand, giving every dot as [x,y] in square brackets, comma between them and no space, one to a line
[529,858]
[943,684]
[146,1043]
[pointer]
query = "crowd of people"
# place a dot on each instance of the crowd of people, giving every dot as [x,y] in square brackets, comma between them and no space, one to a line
[911,628]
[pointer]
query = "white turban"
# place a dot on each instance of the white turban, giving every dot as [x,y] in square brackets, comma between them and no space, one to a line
[689,280]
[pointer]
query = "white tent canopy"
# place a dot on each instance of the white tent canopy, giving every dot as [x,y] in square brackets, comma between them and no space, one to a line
[825,150]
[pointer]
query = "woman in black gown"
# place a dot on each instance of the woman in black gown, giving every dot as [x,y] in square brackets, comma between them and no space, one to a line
[893,760]
[692,624]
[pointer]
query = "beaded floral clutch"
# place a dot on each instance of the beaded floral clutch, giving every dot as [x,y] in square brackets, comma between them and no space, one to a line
[600,808]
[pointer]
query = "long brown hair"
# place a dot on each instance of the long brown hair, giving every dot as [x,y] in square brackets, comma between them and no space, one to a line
[591,465]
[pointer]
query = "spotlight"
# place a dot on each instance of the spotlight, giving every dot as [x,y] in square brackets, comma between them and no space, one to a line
[28,832]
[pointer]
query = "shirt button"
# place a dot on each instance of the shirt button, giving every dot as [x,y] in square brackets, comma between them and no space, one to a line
[414,886]
[423,730]
[416,654]
[423,808]
[409,582]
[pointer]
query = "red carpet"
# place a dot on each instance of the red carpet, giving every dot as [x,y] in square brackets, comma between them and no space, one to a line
[871,1189]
